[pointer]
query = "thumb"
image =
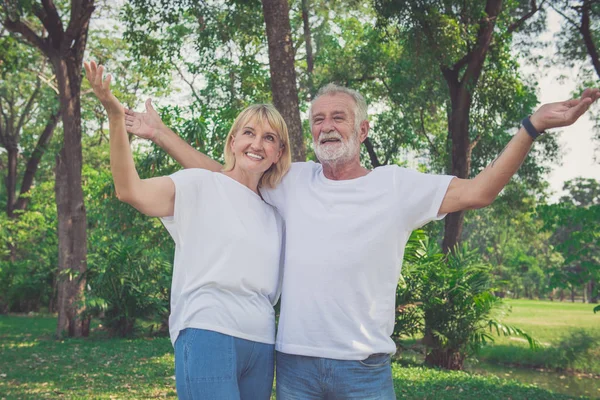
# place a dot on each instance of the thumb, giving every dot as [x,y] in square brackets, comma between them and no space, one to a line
[149,105]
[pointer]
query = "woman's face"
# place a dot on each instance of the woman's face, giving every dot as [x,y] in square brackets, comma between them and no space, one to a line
[256,146]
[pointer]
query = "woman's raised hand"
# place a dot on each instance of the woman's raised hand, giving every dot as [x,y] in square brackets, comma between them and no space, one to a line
[101,88]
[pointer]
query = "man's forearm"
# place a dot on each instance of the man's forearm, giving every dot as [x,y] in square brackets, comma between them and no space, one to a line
[495,176]
[183,153]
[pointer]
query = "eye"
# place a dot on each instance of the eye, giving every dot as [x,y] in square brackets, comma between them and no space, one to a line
[338,118]
[317,120]
[270,138]
[248,133]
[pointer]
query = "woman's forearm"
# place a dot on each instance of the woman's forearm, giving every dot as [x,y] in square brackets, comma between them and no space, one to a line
[122,166]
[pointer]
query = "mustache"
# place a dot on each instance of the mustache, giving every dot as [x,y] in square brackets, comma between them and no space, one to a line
[329,135]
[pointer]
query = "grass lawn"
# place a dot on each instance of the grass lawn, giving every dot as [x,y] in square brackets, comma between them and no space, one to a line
[34,366]
[551,322]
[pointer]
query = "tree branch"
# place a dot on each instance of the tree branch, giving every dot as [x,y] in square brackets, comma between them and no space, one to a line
[587,37]
[531,13]
[50,19]
[28,34]
[34,160]
[28,106]
[424,132]
[372,155]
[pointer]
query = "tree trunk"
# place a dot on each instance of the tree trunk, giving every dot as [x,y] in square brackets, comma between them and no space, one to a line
[458,126]
[447,359]
[462,79]
[283,74]
[308,45]
[72,240]
[592,296]
[11,179]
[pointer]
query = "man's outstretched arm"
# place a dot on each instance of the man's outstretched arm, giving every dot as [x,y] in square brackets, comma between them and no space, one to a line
[464,194]
[148,125]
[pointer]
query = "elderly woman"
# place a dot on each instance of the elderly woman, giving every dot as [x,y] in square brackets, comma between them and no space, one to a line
[226,275]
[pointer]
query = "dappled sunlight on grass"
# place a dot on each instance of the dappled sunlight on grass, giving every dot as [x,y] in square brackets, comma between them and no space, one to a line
[34,366]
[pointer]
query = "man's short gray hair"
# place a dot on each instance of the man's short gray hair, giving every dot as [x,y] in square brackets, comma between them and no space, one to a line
[360,105]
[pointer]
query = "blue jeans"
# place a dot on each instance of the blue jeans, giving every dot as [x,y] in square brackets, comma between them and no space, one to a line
[210,365]
[312,378]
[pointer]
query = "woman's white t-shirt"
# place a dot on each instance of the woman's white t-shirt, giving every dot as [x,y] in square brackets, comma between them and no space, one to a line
[227,268]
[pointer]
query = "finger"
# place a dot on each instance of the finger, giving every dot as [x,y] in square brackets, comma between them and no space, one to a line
[129,122]
[588,92]
[577,111]
[106,83]
[98,76]
[129,112]
[86,66]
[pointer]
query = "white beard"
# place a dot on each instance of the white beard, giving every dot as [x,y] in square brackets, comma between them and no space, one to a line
[338,152]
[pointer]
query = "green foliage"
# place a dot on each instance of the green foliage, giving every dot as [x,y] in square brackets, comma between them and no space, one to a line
[575,227]
[129,259]
[26,278]
[450,300]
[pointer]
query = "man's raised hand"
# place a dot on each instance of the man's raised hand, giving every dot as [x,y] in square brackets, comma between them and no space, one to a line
[146,125]
[565,113]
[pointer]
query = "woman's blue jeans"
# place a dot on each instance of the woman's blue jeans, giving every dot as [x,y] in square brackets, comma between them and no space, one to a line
[210,365]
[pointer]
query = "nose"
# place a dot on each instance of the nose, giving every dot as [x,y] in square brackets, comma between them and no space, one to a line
[327,125]
[257,142]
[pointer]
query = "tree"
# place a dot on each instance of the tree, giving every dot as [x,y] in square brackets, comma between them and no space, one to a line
[460,39]
[28,106]
[283,74]
[64,48]
[576,234]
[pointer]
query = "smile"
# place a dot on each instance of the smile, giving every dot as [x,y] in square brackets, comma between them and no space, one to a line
[254,156]
[330,140]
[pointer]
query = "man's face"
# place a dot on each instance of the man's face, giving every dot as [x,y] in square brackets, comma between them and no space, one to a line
[335,136]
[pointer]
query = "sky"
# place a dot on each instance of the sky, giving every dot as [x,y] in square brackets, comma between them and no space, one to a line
[576,140]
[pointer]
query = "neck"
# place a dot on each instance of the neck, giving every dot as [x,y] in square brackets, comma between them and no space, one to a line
[344,170]
[245,178]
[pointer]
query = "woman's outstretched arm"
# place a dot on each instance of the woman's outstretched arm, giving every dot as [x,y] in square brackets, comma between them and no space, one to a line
[154,196]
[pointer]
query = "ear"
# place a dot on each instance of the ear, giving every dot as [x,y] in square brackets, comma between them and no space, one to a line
[364,130]
[231,144]
[279,154]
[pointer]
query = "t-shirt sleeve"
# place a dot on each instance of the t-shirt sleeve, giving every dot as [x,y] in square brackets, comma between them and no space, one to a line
[420,196]
[186,199]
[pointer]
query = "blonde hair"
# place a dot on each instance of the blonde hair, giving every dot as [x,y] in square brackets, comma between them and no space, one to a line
[262,113]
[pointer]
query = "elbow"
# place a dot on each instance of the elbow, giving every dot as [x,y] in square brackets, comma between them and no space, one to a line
[480,201]
[124,196]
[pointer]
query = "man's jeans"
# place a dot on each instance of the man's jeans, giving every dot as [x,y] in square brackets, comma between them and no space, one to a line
[213,366]
[308,378]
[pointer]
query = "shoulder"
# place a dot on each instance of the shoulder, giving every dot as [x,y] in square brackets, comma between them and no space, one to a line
[191,175]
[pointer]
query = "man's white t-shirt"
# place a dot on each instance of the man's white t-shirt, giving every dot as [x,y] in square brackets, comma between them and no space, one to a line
[227,268]
[344,248]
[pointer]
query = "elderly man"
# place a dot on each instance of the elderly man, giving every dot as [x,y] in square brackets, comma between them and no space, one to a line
[347,227]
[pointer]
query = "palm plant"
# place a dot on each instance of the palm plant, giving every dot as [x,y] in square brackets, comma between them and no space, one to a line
[452,304]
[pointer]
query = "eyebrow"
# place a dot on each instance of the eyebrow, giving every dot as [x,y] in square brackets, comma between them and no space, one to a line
[266,133]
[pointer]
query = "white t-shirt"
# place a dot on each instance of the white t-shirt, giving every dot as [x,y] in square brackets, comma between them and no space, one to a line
[227,268]
[344,248]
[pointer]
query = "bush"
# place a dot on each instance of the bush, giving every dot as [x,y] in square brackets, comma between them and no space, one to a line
[129,260]
[449,300]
